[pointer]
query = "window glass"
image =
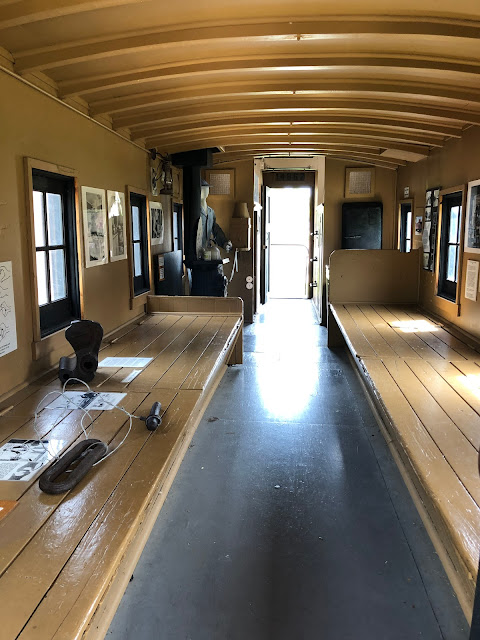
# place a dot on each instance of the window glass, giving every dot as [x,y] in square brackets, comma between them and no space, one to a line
[54,219]
[58,282]
[452,263]
[136,223]
[42,287]
[38,217]
[137,259]
[454,215]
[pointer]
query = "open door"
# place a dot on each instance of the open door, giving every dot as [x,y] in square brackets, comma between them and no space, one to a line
[265,246]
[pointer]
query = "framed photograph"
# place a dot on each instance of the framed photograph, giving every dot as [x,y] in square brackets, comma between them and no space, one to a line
[472,219]
[116,225]
[94,226]
[157,222]
[418,225]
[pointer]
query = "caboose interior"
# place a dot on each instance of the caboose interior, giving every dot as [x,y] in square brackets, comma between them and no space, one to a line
[111,114]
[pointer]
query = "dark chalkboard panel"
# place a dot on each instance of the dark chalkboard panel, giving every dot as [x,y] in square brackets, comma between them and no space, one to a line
[362,225]
[172,285]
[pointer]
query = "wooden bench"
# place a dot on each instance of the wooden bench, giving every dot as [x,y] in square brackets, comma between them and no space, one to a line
[65,560]
[424,380]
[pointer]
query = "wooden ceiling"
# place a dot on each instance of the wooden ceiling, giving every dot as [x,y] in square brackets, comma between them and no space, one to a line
[344,78]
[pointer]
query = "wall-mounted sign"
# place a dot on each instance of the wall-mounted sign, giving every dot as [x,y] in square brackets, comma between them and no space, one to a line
[161,267]
[471,281]
[406,192]
[8,324]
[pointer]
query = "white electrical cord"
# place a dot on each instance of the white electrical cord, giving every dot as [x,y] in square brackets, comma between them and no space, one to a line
[235,265]
[72,404]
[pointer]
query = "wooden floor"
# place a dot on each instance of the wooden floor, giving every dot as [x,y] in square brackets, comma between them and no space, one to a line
[62,557]
[427,381]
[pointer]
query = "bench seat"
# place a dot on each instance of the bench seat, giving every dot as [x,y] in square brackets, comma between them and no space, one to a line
[66,559]
[425,383]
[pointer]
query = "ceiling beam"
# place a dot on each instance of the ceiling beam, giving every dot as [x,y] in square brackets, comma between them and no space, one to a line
[67,53]
[285,153]
[25,12]
[276,145]
[261,61]
[353,131]
[190,116]
[306,105]
[323,90]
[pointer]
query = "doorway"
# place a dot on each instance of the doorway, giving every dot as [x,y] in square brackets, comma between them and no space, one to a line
[288,227]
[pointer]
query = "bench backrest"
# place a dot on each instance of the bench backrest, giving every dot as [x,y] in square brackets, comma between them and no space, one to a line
[374,276]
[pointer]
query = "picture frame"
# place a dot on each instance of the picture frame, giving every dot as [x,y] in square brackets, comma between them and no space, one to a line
[471,242]
[95,241]
[359,182]
[222,183]
[157,223]
[117,236]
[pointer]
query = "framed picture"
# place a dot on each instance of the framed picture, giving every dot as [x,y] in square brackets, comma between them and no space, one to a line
[157,222]
[472,219]
[94,226]
[418,225]
[359,181]
[116,225]
[222,182]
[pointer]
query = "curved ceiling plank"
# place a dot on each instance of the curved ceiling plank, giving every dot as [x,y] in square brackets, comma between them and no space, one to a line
[414,92]
[354,64]
[156,138]
[18,13]
[68,53]
[228,158]
[414,130]
[253,141]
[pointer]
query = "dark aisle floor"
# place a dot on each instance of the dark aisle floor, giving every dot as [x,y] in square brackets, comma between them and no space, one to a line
[288,519]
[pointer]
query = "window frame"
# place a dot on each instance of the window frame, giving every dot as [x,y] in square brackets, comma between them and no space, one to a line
[43,344]
[401,238]
[137,299]
[440,296]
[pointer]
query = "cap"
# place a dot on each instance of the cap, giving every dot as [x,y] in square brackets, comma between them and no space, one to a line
[204,183]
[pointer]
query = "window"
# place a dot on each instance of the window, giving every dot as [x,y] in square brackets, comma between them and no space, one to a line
[55,250]
[405,227]
[449,245]
[140,267]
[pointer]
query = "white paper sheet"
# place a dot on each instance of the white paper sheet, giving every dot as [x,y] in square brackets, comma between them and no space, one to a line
[471,281]
[87,400]
[117,363]
[131,376]
[22,459]
[8,324]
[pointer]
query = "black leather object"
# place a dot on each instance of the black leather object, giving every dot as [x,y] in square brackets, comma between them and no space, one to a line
[85,336]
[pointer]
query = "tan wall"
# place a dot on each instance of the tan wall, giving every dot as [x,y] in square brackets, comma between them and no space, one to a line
[457,163]
[36,126]
[334,198]
[224,208]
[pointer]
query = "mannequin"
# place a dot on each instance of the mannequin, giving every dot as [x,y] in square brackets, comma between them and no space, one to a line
[211,230]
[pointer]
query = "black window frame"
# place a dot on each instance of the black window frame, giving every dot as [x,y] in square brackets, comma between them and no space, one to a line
[141,283]
[58,314]
[447,289]
[405,241]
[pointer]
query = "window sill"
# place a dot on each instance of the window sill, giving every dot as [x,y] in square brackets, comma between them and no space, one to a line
[140,300]
[446,305]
